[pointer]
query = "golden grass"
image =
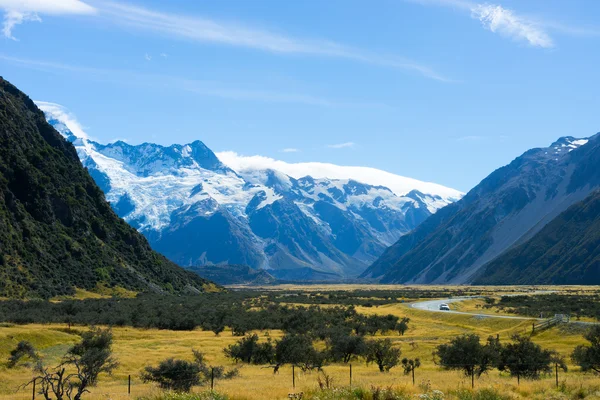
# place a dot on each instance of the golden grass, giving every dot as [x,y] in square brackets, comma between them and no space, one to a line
[136,348]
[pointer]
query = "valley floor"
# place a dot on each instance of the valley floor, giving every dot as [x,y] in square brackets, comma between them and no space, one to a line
[137,348]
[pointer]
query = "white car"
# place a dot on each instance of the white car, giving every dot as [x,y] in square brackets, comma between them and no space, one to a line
[444,307]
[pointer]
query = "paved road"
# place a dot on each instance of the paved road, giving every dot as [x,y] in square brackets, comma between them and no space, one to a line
[434,306]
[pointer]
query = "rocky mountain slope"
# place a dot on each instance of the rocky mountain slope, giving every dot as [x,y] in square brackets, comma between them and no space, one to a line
[196,210]
[57,231]
[505,210]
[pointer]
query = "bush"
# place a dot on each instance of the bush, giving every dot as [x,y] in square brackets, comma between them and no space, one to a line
[482,394]
[588,357]
[344,347]
[382,353]
[172,374]
[250,351]
[466,353]
[182,375]
[358,393]
[298,350]
[525,359]
[24,350]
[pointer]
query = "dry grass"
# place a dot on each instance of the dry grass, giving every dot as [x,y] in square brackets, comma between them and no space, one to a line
[136,348]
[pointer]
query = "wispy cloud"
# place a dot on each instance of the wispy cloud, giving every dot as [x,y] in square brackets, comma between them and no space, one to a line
[290,150]
[341,145]
[148,57]
[508,23]
[18,11]
[205,30]
[61,113]
[505,22]
[581,31]
[201,87]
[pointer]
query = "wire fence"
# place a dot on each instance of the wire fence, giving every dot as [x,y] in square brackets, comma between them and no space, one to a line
[294,379]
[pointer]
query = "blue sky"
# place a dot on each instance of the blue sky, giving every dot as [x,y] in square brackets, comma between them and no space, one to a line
[438,90]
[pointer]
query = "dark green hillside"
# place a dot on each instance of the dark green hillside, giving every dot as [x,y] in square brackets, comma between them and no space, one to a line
[566,251]
[57,232]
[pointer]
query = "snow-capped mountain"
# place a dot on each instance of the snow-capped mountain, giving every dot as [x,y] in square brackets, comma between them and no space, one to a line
[196,210]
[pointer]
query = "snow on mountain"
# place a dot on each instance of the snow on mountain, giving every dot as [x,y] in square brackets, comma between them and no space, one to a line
[400,185]
[197,210]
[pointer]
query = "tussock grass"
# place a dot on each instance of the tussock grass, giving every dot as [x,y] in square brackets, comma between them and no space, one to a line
[136,348]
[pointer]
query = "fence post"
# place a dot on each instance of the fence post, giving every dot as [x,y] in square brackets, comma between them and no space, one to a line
[413,375]
[293,377]
[129,385]
[212,379]
[351,375]
[33,391]
[556,367]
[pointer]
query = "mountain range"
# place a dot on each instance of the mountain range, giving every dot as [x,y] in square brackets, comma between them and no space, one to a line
[197,211]
[57,232]
[532,221]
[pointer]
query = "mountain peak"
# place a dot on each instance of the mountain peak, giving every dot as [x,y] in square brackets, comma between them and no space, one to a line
[196,210]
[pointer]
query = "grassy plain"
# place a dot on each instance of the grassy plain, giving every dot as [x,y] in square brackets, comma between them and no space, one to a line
[136,348]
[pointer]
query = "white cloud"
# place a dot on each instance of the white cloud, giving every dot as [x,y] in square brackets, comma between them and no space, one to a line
[502,21]
[62,114]
[505,22]
[290,150]
[148,57]
[398,184]
[164,55]
[14,18]
[341,145]
[18,11]
[206,30]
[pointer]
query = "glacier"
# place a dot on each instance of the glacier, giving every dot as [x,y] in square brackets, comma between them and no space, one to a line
[198,210]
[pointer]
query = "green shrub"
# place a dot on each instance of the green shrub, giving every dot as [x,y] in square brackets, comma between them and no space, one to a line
[210,395]
[481,394]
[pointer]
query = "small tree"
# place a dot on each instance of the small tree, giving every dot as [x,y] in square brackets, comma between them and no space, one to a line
[243,350]
[249,350]
[343,347]
[298,350]
[402,325]
[24,350]
[525,359]
[409,366]
[588,356]
[466,353]
[93,354]
[382,353]
[79,370]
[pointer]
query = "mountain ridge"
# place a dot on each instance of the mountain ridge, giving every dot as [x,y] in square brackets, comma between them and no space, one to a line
[508,207]
[198,210]
[57,232]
